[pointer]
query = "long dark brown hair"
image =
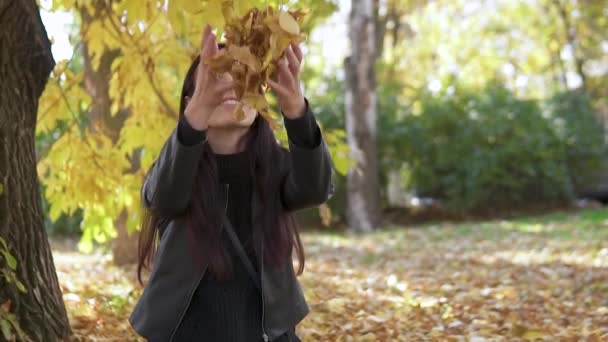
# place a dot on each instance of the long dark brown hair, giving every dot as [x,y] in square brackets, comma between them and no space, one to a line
[275,226]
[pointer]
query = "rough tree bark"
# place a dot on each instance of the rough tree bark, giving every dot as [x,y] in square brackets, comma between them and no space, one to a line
[363,208]
[97,84]
[25,64]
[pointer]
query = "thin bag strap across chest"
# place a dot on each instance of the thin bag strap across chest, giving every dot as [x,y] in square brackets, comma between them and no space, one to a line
[241,252]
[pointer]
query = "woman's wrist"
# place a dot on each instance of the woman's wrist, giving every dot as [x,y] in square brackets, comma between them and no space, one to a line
[303,131]
[198,121]
[188,135]
[297,110]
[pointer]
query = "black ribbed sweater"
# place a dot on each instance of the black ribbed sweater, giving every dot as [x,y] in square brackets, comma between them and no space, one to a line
[228,310]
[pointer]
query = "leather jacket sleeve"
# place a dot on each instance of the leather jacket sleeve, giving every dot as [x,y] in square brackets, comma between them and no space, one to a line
[168,185]
[308,180]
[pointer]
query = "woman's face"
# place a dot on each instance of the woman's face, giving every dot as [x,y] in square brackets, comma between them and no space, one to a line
[224,115]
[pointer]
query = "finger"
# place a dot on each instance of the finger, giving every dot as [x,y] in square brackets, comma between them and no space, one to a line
[278,89]
[206,33]
[222,87]
[286,75]
[202,71]
[210,47]
[214,49]
[201,75]
[298,51]
[201,65]
[294,63]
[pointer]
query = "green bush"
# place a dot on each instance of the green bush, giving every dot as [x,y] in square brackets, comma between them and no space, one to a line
[484,150]
[581,136]
[478,150]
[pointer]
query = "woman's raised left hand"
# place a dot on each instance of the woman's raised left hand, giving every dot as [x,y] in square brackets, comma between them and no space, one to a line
[287,83]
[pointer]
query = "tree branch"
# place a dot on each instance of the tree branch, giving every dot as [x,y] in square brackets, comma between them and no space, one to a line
[168,109]
[572,41]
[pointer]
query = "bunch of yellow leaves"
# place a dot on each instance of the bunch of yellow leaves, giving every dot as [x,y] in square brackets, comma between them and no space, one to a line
[254,43]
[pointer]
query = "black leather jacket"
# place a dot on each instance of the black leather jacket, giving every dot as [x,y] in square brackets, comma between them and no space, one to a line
[306,181]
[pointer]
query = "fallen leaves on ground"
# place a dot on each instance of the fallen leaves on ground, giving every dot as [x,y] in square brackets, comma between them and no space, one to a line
[98,295]
[521,280]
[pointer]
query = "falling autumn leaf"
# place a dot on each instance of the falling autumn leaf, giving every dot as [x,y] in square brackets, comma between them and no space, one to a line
[288,23]
[326,214]
[243,55]
[254,43]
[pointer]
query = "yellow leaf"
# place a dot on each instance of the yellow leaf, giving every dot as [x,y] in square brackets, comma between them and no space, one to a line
[257,101]
[213,14]
[239,112]
[273,24]
[192,6]
[288,23]
[95,43]
[176,17]
[220,63]
[228,10]
[243,55]
[325,214]
[85,245]
[532,335]
[267,58]
[135,10]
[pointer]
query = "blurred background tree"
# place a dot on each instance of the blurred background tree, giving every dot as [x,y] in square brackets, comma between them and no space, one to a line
[488,107]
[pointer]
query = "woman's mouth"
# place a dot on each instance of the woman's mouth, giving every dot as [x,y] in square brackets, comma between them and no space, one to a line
[230,101]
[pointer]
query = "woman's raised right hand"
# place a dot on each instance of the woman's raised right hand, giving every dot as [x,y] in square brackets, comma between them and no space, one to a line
[208,90]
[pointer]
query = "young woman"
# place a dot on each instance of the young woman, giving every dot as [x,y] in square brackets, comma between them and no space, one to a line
[214,173]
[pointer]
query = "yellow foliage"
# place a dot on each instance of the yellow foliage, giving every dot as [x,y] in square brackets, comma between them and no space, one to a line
[62,99]
[99,40]
[156,41]
[82,170]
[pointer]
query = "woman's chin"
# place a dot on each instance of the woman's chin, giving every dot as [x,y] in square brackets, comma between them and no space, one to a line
[225,116]
[224,112]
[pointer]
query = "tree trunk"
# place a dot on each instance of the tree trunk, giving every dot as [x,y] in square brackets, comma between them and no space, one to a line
[395,190]
[25,64]
[570,32]
[97,84]
[124,246]
[363,208]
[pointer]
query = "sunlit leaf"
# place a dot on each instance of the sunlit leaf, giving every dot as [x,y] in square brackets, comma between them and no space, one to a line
[288,23]
[20,286]
[10,259]
[6,330]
